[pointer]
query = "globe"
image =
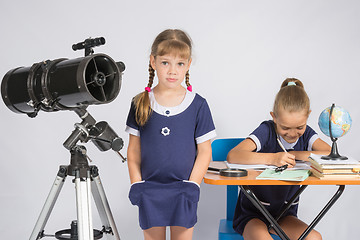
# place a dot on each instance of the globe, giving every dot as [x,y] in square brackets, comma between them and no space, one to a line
[340,122]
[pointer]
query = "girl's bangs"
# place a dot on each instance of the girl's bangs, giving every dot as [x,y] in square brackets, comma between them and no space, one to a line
[174,47]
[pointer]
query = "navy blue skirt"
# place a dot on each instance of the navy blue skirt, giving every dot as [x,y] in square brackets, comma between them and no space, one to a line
[273,198]
[170,204]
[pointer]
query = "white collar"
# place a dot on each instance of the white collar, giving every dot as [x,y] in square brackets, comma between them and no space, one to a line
[286,144]
[171,111]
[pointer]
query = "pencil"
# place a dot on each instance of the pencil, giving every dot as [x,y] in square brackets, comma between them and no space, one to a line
[282,146]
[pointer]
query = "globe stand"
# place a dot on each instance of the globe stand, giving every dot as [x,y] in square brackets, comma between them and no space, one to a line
[334,154]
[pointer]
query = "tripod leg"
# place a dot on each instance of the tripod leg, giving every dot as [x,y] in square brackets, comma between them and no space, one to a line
[84,216]
[103,206]
[38,230]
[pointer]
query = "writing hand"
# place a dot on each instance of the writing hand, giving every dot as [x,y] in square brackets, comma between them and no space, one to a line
[283,158]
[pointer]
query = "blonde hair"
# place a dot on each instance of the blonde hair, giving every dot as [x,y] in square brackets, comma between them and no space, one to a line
[291,97]
[170,41]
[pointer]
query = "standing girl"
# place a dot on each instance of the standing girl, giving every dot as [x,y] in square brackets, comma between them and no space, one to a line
[289,126]
[169,150]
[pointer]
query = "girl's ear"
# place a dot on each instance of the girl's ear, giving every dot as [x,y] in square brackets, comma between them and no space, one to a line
[152,61]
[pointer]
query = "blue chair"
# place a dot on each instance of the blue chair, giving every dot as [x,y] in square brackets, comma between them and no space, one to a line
[220,149]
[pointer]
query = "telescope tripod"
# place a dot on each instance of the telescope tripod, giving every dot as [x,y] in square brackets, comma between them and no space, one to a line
[86,179]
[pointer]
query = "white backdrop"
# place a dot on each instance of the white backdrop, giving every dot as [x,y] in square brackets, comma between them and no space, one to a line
[243,50]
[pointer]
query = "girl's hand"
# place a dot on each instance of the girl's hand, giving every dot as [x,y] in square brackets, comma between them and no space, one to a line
[282,158]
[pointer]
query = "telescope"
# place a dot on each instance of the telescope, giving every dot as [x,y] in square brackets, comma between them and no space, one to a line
[69,84]
[62,84]
[72,84]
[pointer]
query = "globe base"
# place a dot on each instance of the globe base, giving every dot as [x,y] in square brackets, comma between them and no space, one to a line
[334,155]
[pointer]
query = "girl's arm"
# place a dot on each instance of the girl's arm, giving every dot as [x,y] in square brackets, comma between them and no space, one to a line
[134,158]
[319,147]
[202,162]
[244,153]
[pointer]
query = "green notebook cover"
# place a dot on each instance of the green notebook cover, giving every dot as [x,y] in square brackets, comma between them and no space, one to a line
[286,175]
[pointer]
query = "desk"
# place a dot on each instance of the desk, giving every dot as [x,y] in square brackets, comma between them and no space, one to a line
[244,183]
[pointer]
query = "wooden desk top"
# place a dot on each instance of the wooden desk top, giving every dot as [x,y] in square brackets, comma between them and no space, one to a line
[214,178]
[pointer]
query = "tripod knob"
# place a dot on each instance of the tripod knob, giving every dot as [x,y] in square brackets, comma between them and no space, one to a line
[73,229]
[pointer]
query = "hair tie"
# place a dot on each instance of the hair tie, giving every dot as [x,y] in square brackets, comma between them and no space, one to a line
[291,84]
[148,89]
[189,88]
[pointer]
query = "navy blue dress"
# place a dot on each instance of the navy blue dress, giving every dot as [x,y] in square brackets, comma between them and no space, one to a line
[272,197]
[169,141]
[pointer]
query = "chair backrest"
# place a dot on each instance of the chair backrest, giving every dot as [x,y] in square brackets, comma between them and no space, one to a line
[220,150]
[222,146]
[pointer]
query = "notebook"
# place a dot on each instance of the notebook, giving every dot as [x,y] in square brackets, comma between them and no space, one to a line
[286,175]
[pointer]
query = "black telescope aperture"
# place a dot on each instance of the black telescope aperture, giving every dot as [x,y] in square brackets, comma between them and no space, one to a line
[62,84]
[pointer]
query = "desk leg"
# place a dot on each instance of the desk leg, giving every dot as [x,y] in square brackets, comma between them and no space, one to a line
[291,201]
[323,211]
[251,196]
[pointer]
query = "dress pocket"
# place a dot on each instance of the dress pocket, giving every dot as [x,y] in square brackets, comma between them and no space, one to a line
[191,190]
[135,192]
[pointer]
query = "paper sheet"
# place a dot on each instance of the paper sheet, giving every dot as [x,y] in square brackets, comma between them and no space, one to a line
[299,165]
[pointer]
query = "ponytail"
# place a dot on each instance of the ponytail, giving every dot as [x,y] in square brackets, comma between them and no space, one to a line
[291,97]
[292,81]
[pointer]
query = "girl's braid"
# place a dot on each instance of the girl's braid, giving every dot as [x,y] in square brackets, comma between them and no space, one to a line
[187,76]
[151,76]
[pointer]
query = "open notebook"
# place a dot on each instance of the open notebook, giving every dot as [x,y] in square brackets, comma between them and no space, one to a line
[286,175]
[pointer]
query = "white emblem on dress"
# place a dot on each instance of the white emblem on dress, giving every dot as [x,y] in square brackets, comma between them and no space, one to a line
[165,131]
